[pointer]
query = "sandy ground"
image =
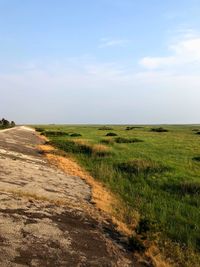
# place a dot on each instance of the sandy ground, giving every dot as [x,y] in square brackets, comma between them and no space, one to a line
[44,218]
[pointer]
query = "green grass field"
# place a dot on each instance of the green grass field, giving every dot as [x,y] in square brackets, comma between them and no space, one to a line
[156,174]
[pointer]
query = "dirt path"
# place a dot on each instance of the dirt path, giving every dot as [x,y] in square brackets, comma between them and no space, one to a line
[43,219]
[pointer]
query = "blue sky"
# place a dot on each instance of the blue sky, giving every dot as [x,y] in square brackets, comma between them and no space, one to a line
[102,61]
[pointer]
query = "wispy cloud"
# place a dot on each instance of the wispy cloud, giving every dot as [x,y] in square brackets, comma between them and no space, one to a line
[111,42]
[183,52]
[103,93]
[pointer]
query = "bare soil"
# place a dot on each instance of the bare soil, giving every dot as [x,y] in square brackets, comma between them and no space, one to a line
[46,216]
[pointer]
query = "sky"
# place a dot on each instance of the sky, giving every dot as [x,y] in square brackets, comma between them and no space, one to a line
[100,62]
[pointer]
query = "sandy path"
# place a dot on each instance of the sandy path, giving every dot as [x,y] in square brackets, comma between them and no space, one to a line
[43,220]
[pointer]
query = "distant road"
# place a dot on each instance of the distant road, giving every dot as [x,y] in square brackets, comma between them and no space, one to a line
[43,217]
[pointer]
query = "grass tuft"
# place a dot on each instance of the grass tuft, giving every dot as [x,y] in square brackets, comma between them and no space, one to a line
[111,134]
[105,128]
[123,140]
[108,141]
[196,158]
[141,166]
[184,188]
[159,130]
[75,135]
[101,150]
[52,133]
[129,128]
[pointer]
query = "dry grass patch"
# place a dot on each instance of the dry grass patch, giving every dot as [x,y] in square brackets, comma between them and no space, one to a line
[46,148]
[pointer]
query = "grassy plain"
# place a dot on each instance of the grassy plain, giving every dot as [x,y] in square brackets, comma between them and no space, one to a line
[155,174]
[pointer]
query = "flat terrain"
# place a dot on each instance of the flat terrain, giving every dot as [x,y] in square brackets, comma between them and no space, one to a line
[155,170]
[44,218]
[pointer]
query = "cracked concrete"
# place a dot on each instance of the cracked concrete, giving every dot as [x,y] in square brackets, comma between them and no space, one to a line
[43,220]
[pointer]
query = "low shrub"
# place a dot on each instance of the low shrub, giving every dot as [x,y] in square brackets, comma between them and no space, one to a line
[105,128]
[121,140]
[54,133]
[82,146]
[75,135]
[111,134]
[198,133]
[196,158]
[141,166]
[38,129]
[159,130]
[129,128]
[144,225]
[195,130]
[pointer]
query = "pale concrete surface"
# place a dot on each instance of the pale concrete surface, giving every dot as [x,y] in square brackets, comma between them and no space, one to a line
[43,220]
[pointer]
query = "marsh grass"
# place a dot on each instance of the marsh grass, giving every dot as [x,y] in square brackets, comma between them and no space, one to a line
[184,188]
[83,146]
[101,150]
[51,133]
[158,180]
[141,166]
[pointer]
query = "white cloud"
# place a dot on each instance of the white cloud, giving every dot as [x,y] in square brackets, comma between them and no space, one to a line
[184,52]
[108,42]
[78,90]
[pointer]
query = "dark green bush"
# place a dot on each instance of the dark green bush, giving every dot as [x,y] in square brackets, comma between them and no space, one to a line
[129,128]
[121,140]
[74,147]
[54,133]
[75,135]
[143,226]
[6,124]
[111,134]
[38,129]
[196,158]
[135,244]
[105,128]
[159,130]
